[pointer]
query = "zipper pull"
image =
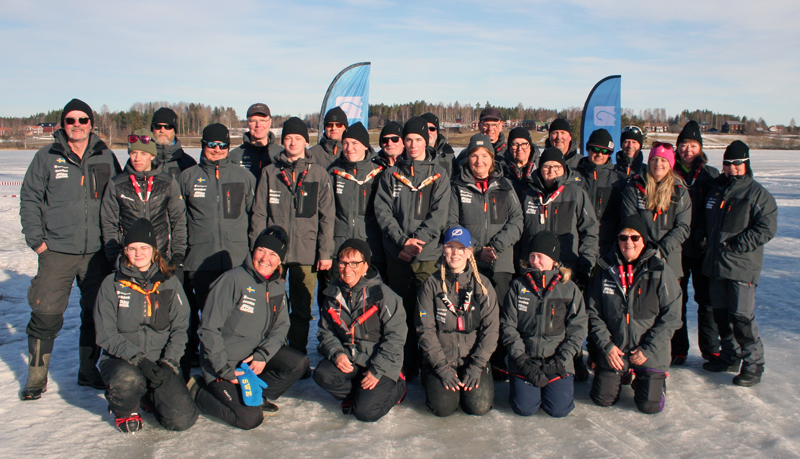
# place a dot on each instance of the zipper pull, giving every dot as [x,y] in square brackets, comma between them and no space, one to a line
[216,171]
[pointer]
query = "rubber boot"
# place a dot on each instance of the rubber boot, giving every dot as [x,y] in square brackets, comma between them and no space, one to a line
[88,374]
[39,351]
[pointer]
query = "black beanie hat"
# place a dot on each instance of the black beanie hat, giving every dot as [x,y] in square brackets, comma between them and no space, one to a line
[141,231]
[392,128]
[600,138]
[431,118]
[636,223]
[357,132]
[416,125]
[359,245]
[77,104]
[216,132]
[736,150]
[519,133]
[632,134]
[559,124]
[295,125]
[551,154]
[164,115]
[547,243]
[336,115]
[690,132]
[273,238]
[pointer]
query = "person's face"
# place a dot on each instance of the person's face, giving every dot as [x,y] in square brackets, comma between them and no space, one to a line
[392,145]
[540,261]
[259,127]
[480,162]
[492,128]
[630,147]
[551,170]
[630,249]
[415,146]
[658,167]
[141,160]
[597,157]
[216,152]
[734,170]
[456,255]
[561,140]
[164,134]
[265,261]
[334,131]
[433,134]
[139,255]
[521,149]
[349,275]
[353,150]
[76,131]
[688,150]
[295,145]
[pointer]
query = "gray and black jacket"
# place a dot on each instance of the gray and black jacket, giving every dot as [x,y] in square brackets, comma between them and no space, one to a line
[569,215]
[698,181]
[669,229]
[572,157]
[645,315]
[500,147]
[440,340]
[219,199]
[306,211]
[61,195]
[494,219]
[173,159]
[520,177]
[164,207]
[628,167]
[403,212]
[244,315]
[543,316]
[255,158]
[741,216]
[326,151]
[446,155]
[376,343]
[129,329]
[604,186]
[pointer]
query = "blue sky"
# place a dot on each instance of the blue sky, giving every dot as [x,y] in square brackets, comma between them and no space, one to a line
[736,57]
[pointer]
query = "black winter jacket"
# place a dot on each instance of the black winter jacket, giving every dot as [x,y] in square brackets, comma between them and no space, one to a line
[604,186]
[325,152]
[520,177]
[698,181]
[173,160]
[255,158]
[630,168]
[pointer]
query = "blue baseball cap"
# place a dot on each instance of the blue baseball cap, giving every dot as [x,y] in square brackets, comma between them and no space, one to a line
[458,234]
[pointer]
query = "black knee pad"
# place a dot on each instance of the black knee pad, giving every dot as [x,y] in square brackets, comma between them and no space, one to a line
[605,387]
[648,391]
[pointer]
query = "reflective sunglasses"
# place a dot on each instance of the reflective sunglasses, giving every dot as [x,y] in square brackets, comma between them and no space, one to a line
[736,162]
[334,125]
[432,128]
[221,145]
[166,127]
[393,139]
[145,139]
[668,146]
[634,129]
[624,238]
[602,151]
[351,264]
[76,120]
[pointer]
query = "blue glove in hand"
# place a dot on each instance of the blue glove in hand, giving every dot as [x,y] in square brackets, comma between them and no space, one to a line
[252,386]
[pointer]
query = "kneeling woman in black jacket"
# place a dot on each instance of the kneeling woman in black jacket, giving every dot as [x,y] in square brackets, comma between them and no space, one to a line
[142,315]
[543,323]
[458,325]
[634,307]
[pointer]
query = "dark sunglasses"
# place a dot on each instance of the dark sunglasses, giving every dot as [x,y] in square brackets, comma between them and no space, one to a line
[634,129]
[166,127]
[624,238]
[334,125]
[393,139]
[221,145]
[145,139]
[603,151]
[736,162]
[432,128]
[76,120]
[668,146]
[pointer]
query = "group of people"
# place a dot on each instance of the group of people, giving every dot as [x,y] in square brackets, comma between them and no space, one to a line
[460,270]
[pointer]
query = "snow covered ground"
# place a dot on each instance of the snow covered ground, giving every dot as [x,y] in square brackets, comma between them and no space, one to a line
[705,416]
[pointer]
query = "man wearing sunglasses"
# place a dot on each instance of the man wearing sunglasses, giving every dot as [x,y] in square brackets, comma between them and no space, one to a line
[391,145]
[491,124]
[170,154]
[219,199]
[741,216]
[444,152]
[630,159]
[60,213]
[330,143]
[560,137]
[259,144]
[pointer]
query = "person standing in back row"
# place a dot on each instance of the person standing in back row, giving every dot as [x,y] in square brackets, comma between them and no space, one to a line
[330,142]
[560,137]
[259,144]
[170,154]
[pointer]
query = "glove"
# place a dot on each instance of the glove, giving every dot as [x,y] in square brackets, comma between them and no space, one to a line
[152,372]
[472,377]
[532,371]
[169,366]
[177,264]
[449,378]
[252,386]
[581,279]
[553,366]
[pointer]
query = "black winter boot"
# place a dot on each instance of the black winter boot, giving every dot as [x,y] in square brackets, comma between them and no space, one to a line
[749,376]
[719,365]
[88,374]
[129,424]
[581,372]
[39,351]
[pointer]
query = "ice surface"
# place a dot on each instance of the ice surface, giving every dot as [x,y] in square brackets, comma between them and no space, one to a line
[705,416]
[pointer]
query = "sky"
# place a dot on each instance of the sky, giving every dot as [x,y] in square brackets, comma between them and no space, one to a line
[737,57]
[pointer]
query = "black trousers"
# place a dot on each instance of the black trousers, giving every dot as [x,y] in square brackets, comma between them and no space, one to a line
[443,402]
[368,405]
[126,388]
[223,399]
[734,312]
[707,334]
[501,282]
[196,285]
[649,389]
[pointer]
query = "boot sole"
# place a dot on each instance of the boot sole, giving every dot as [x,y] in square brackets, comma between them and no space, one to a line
[25,396]
[746,383]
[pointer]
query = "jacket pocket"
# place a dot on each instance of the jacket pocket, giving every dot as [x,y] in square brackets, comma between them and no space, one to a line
[563,217]
[99,175]
[647,301]
[498,208]
[232,198]
[160,310]
[556,315]
[422,202]
[306,200]
[736,216]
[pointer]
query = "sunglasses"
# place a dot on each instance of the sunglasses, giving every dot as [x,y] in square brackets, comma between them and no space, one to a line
[668,146]
[432,128]
[625,237]
[737,162]
[334,125]
[165,127]
[393,139]
[145,139]
[221,145]
[633,129]
[603,151]
[76,120]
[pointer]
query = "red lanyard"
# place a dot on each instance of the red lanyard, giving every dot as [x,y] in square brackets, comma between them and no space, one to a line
[626,276]
[550,287]
[544,204]
[285,178]
[369,176]
[422,185]
[138,190]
